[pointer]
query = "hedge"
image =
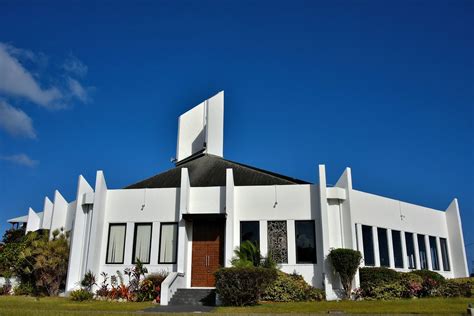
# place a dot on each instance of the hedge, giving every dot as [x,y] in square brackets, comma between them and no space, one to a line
[244,285]
[291,288]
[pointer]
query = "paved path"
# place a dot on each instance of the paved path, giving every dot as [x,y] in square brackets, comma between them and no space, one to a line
[179,309]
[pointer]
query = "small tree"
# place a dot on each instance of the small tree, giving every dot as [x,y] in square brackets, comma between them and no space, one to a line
[345,262]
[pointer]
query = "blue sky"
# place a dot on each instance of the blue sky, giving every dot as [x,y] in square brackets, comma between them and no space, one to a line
[383,87]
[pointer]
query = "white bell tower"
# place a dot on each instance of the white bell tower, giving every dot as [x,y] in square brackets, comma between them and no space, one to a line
[201,129]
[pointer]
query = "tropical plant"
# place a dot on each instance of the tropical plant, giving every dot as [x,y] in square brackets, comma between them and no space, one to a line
[248,255]
[88,281]
[345,262]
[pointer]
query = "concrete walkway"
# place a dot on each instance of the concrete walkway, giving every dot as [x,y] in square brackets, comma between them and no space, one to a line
[179,309]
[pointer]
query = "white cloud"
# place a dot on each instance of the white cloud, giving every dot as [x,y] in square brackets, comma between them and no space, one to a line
[17,81]
[15,122]
[20,159]
[74,66]
[77,90]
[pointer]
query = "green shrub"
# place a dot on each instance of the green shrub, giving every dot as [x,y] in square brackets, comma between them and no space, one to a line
[467,282]
[427,274]
[291,288]
[377,276]
[412,285]
[243,286]
[453,288]
[80,295]
[345,262]
[88,281]
[24,288]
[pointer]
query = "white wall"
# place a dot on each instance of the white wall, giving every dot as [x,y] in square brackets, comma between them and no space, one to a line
[282,202]
[47,213]
[204,200]
[374,210]
[456,240]
[60,209]
[80,237]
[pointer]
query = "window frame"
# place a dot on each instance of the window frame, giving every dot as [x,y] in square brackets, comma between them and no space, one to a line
[372,264]
[400,249]
[445,254]
[383,231]
[315,259]
[423,256]
[176,243]
[134,246]
[240,232]
[434,258]
[415,266]
[108,243]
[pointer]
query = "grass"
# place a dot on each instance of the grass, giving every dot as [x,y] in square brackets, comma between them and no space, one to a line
[55,306]
[414,306]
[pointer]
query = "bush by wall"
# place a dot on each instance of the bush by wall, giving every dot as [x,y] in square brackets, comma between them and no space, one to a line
[384,283]
[80,295]
[240,286]
[291,288]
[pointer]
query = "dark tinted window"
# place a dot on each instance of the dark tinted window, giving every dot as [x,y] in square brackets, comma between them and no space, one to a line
[250,231]
[383,247]
[305,242]
[434,253]
[422,251]
[445,254]
[397,248]
[410,244]
[368,241]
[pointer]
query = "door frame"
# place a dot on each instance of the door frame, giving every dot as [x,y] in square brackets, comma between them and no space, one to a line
[221,221]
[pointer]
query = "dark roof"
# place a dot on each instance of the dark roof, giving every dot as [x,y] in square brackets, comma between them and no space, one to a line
[208,170]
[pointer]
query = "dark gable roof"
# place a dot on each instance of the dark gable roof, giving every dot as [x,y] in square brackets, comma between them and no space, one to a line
[208,170]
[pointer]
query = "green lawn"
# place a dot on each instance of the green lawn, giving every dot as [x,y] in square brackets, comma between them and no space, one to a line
[54,306]
[414,306]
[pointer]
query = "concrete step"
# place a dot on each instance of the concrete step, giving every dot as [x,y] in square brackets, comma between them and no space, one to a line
[195,297]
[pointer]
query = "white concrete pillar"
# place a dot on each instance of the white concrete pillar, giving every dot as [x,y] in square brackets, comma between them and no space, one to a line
[440,256]
[428,252]
[391,254]
[232,222]
[291,239]
[404,250]
[417,251]
[375,238]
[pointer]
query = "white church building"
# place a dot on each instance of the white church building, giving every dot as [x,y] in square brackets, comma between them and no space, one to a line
[189,219]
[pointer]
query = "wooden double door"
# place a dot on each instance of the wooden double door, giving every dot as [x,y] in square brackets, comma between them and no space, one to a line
[207,252]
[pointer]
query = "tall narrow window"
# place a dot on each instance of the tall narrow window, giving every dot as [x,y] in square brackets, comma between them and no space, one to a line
[250,231]
[368,241]
[383,247]
[357,237]
[397,248]
[422,251]
[116,243]
[142,243]
[410,244]
[434,253]
[305,242]
[168,243]
[445,254]
[277,241]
